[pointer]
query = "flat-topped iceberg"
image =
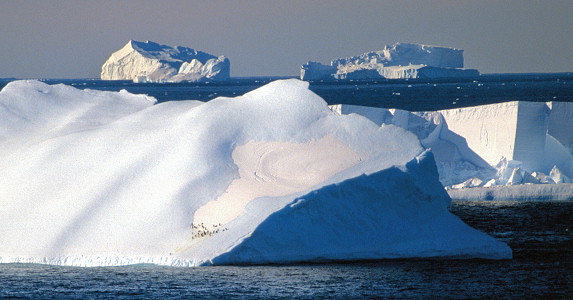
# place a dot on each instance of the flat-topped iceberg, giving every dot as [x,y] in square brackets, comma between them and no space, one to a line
[152,62]
[504,144]
[400,60]
[96,178]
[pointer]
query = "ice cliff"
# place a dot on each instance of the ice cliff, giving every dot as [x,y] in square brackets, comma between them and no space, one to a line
[152,62]
[95,178]
[502,144]
[394,61]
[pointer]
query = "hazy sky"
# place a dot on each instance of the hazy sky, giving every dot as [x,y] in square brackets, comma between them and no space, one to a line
[73,38]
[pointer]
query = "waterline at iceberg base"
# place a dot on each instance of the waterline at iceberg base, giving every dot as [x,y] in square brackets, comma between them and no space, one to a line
[273,176]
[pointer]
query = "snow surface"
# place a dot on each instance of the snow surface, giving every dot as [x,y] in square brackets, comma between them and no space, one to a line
[490,145]
[152,62]
[400,60]
[100,178]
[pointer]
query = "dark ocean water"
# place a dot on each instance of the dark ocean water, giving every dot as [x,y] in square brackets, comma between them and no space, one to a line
[408,94]
[540,234]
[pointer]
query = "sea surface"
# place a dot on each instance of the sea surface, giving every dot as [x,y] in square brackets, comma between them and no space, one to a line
[539,232]
[408,94]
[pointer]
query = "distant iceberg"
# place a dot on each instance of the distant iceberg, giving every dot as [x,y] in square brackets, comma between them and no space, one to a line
[400,60]
[95,178]
[152,62]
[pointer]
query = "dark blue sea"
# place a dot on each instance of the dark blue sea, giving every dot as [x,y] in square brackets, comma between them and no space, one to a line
[408,94]
[539,232]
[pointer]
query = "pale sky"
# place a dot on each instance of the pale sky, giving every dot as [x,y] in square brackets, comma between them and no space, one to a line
[73,38]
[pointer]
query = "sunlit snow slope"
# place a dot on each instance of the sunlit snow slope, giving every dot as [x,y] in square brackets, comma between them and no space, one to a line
[101,178]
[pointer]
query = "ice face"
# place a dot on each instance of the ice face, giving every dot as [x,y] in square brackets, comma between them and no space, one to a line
[512,138]
[110,179]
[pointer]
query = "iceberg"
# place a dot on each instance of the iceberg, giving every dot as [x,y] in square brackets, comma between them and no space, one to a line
[152,62]
[400,60]
[500,144]
[523,192]
[95,178]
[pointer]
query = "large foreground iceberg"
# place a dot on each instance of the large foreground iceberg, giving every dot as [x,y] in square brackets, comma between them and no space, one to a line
[400,60]
[96,178]
[152,62]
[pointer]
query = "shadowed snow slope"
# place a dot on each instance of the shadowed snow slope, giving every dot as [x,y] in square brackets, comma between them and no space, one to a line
[100,178]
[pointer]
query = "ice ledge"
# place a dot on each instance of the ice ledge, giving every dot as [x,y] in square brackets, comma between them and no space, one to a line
[525,192]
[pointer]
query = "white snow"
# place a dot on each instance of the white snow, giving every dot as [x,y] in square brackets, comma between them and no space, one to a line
[455,160]
[31,111]
[152,62]
[400,60]
[99,178]
[404,54]
[490,145]
[276,169]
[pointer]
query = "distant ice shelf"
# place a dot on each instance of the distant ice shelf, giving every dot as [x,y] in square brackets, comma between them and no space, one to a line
[400,60]
[152,62]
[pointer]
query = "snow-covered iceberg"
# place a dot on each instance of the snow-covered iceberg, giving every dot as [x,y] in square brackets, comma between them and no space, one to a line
[95,178]
[152,62]
[500,144]
[400,60]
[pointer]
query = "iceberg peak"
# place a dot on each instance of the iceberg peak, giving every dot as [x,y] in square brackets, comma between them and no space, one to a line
[152,62]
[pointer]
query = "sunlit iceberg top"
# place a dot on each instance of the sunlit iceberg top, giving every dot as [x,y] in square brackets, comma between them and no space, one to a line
[401,60]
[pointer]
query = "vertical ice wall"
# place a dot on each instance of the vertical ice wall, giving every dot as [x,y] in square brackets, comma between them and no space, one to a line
[560,122]
[530,134]
[489,130]
[513,130]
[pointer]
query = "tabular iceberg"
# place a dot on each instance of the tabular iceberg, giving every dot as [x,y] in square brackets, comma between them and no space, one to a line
[102,178]
[394,61]
[152,62]
[511,143]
